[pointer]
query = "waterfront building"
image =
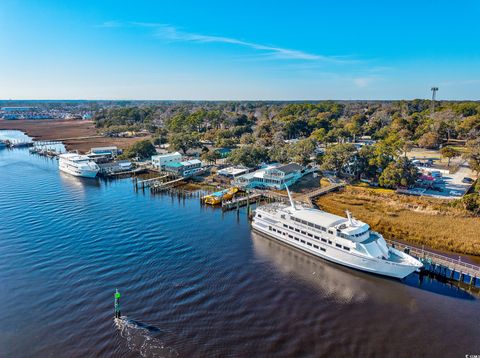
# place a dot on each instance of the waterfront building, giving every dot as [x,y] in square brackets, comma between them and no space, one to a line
[159,161]
[232,172]
[185,168]
[274,176]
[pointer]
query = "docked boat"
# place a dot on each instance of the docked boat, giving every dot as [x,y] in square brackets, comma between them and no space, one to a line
[345,241]
[217,197]
[78,165]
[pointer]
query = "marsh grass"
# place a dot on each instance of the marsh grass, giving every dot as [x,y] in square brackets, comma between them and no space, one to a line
[437,224]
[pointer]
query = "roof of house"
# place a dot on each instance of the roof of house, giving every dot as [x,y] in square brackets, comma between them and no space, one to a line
[191,162]
[289,168]
[174,164]
[166,155]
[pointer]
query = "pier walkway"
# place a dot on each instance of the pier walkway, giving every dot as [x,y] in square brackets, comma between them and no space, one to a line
[442,265]
[309,197]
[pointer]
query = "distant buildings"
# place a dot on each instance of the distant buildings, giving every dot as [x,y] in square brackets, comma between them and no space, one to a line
[274,176]
[159,161]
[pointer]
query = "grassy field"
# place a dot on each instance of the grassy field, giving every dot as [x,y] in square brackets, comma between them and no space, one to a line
[432,222]
[82,134]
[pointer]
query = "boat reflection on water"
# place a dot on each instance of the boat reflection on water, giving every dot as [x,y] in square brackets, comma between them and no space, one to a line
[346,285]
[78,183]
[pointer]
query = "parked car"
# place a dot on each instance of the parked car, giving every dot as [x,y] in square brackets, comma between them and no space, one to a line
[467,180]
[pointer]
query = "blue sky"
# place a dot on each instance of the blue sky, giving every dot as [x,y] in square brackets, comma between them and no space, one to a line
[279,50]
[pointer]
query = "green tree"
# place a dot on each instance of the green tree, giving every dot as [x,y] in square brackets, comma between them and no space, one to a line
[210,156]
[301,151]
[429,140]
[401,172]
[338,158]
[449,153]
[142,149]
[184,141]
[249,156]
[473,155]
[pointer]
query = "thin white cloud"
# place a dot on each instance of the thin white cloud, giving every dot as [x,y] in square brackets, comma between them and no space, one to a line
[362,82]
[171,33]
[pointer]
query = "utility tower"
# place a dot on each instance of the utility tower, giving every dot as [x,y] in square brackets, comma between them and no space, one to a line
[434,92]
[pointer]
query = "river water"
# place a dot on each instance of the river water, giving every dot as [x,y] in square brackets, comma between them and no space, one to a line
[194,282]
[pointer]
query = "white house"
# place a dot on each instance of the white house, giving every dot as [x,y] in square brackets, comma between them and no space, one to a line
[185,168]
[275,176]
[159,161]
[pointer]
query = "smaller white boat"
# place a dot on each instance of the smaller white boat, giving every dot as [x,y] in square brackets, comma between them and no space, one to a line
[78,165]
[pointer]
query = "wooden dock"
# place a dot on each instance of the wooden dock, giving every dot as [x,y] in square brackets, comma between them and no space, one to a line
[240,201]
[442,265]
[311,196]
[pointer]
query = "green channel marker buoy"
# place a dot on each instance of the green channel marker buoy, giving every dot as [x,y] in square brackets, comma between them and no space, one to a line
[117,304]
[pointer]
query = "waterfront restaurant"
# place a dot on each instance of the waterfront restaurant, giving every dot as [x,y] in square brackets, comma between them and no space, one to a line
[159,161]
[274,176]
[185,168]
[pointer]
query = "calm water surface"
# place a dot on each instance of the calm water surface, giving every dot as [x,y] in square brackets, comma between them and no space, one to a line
[194,282]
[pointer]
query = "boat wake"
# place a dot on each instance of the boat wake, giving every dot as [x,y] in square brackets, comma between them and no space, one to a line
[142,338]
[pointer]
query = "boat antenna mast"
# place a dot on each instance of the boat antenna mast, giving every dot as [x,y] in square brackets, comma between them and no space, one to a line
[349,217]
[292,203]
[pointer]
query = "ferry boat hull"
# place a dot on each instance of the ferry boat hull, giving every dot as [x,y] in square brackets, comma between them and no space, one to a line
[78,165]
[361,264]
[345,241]
[80,173]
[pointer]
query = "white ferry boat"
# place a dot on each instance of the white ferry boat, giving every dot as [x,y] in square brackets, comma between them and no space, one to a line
[78,165]
[345,241]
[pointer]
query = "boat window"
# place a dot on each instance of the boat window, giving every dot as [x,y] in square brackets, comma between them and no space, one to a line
[338,245]
[330,232]
[309,244]
[304,232]
[324,240]
[346,248]
[283,216]
[290,227]
[315,246]
[309,234]
[310,224]
[290,236]
[324,229]
[323,249]
[296,239]
[259,215]
[297,230]
[316,237]
[304,222]
[270,228]
[302,241]
[330,242]
[285,226]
